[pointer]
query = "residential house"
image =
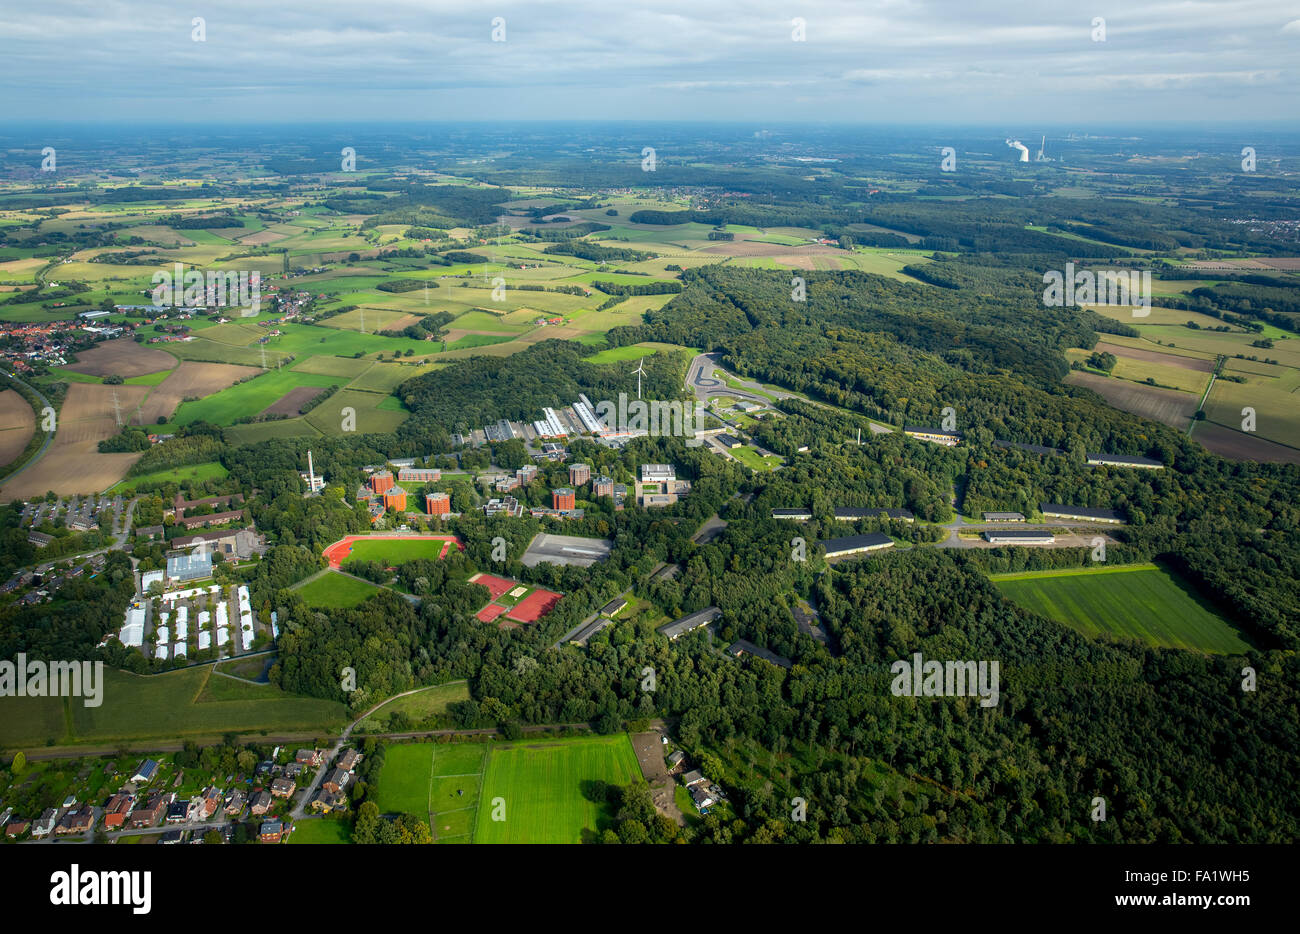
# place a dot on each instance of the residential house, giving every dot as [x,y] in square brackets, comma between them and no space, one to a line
[308,757]
[271,831]
[335,780]
[118,809]
[261,803]
[44,825]
[283,788]
[349,759]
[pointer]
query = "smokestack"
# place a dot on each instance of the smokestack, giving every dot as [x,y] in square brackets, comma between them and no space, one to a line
[311,475]
[1016,144]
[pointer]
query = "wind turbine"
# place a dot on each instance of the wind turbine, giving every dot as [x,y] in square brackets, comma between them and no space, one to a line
[639,371]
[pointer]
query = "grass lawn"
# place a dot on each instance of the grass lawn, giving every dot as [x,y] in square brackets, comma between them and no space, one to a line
[540,785]
[419,706]
[404,780]
[332,589]
[320,830]
[209,471]
[755,461]
[1143,602]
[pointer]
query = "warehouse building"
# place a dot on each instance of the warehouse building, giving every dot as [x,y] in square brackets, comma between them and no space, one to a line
[856,544]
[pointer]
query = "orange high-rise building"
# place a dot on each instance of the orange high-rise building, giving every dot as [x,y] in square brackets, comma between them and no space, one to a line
[395,498]
[437,504]
[563,498]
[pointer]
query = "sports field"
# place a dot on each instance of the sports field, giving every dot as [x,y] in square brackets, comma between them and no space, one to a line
[514,600]
[537,788]
[539,785]
[1144,602]
[335,590]
[389,550]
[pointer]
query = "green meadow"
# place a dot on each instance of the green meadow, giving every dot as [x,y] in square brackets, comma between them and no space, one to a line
[1144,602]
[334,590]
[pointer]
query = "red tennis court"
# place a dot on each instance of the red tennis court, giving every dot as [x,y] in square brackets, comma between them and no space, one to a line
[490,612]
[496,585]
[534,606]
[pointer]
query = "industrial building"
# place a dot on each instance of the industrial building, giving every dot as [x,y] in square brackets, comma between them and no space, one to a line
[679,627]
[856,544]
[1019,537]
[1124,460]
[1080,513]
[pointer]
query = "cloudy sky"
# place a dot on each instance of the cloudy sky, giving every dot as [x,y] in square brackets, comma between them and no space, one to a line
[888,61]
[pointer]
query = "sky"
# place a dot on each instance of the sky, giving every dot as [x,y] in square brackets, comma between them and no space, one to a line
[894,61]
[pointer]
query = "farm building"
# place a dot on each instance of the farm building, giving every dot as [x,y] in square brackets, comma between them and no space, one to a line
[856,544]
[798,515]
[1123,460]
[1081,513]
[1003,517]
[614,607]
[688,623]
[745,647]
[852,513]
[1019,537]
[933,435]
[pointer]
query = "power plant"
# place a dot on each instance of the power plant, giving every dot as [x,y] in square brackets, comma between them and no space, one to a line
[1016,144]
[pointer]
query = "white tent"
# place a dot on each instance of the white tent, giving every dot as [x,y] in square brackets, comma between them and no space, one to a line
[180,650]
[205,639]
[160,652]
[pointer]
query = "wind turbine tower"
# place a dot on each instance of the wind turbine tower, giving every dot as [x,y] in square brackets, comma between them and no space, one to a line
[639,371]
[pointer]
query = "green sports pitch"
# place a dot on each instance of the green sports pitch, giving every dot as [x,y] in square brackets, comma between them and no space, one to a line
[1144,602]
[535,785]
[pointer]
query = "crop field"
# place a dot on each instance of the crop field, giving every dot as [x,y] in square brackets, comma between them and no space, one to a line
[73,463]
[189,379]
[368,413]
[385,377]
[1142,602]
[266,431]
[334,590]
[248,398]
[1276,401]
[1169,406]
[121,357]
[17,425]
[345,367]
[169,706]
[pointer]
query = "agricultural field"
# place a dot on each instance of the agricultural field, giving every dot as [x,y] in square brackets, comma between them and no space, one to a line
[1275,399]
[1169,406]
[17,425]
[122,357]
[169,706]
[1143,602]
[334,590]
[195,473]
[73,463]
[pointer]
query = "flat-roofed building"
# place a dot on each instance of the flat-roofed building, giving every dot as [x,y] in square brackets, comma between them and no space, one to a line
[729,441]
[563,498]
[1019,537]
[579,474]
[798,515]
[856,544]
[745,647]
[855,513]
[933,435]
[437,504]
[1003,517]
[381,480]
[1124,460]
[602,486]
[658,473]
[189,567]
[419,475]
[685,624]
[1081,513]
[395,498]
